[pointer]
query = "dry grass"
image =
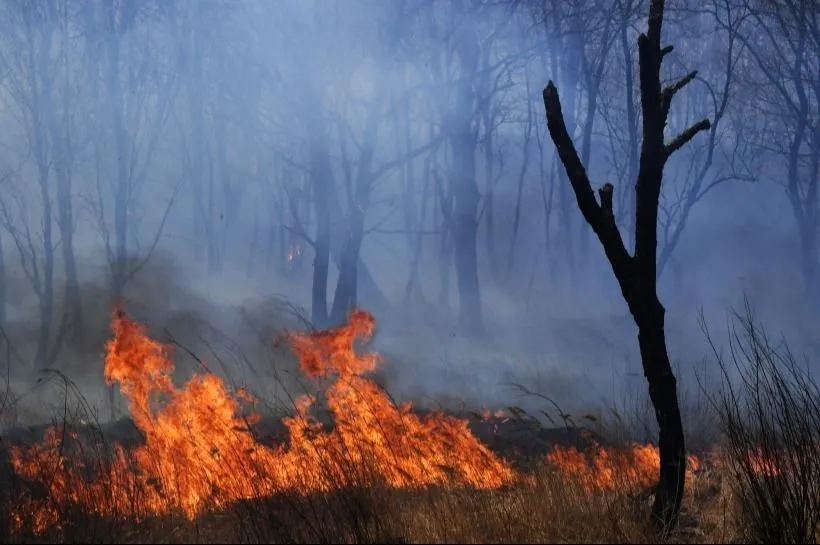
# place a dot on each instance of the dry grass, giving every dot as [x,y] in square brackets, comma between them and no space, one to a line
[550,510]
[551,507]
[767,404]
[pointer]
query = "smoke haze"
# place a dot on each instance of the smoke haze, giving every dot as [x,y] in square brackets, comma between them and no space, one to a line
[214,163]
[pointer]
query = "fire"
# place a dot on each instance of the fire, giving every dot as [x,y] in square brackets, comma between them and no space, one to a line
[487,414]
[762,464]
[294,251]
[607,469]
[200,453]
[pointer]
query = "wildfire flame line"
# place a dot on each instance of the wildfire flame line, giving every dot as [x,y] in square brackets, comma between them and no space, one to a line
[200,453]
[607,469]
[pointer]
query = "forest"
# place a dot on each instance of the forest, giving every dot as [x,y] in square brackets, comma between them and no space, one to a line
[588,217]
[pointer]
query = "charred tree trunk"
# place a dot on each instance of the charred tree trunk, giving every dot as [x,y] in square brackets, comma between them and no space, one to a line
[346,295]
[636,274]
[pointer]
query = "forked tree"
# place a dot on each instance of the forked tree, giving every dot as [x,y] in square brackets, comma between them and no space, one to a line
[637,272]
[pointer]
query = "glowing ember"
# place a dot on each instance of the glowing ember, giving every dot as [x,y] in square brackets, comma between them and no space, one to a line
[199,452]
[294,251]
[487,414]
[607,469]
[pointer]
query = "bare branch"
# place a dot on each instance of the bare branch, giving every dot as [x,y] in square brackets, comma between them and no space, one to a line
[569,157]
[600,217]
[686,136]
[158,234]
[605,194]
[669,92]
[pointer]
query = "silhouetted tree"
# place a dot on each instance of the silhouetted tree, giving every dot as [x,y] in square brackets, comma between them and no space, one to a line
[637,273]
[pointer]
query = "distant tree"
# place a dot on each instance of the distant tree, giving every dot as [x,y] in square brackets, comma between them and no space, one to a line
[134,86]
[337,123]
[42,91]
[469,66]
[725,154]
[637,273]
[783,42]
[217,107]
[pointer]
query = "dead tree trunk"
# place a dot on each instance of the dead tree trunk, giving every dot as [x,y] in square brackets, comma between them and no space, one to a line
[637,273]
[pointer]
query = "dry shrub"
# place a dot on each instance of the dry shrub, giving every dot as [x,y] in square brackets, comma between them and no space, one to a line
[769,412]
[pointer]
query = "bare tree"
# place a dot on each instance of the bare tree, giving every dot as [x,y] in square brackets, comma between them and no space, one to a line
[724,155]
[783,41]
[637,273]
[467,76]
[340,130]
[43,91]
[206,50]
[135,90]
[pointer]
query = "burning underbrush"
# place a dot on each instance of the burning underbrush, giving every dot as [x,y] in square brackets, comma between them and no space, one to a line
[201,456]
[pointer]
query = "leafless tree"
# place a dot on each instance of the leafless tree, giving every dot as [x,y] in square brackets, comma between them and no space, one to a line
[42,88]
[637,273]
[134,87]
[783,42]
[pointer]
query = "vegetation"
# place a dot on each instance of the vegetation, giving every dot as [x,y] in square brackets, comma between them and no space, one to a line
[756,484]
[174,157]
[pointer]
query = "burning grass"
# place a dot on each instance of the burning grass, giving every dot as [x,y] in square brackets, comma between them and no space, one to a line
[378,472]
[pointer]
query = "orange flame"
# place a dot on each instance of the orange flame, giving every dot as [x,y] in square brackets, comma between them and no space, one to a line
[487,414]
[762,464]
[199,452]
[607,468]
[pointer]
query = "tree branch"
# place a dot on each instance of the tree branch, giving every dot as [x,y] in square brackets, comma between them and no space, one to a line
[569,157]
[669,92]
[600,217]
[686,136]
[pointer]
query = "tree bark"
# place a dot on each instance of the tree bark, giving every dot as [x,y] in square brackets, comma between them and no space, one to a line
[636,274]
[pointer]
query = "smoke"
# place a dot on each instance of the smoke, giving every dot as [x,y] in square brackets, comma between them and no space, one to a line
[228,114]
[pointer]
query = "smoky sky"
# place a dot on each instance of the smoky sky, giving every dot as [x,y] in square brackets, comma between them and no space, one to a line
[185,156]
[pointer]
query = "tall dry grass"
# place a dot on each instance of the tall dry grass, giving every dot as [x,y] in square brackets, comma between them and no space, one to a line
[769,414]
[767,404]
